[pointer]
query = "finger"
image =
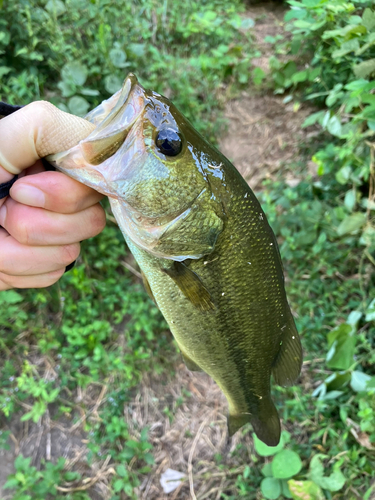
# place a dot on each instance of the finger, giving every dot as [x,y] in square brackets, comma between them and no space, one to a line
[39,281]
[22,260]
[54,191]
[5,176]
[36,226]
[37,130]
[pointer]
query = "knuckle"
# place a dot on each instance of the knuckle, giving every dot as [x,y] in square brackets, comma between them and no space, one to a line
[40,109]
[69,253]
[52,278]
[4,283]
[4,264]
[21,231]
[97,220]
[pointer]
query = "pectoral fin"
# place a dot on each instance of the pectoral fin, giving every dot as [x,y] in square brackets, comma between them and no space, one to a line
[146,284]
[287,365]
[191,286]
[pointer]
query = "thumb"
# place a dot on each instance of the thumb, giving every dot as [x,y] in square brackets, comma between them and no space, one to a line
[35,131]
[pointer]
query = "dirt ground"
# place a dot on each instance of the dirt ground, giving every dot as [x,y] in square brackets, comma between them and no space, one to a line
[263,135]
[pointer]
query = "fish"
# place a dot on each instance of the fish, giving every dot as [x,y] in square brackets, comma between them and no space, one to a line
[208,256]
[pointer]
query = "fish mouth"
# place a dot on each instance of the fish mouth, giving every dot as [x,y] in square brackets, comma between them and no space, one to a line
[114,119]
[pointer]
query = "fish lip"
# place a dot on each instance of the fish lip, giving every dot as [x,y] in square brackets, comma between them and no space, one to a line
[114,119]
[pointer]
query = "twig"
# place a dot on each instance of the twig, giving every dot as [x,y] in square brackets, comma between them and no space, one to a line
[48,440]
[90,481]
[94,409]
[191,454]
[131,269]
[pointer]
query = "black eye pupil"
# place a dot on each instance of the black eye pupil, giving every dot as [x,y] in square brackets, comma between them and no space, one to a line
[169,142]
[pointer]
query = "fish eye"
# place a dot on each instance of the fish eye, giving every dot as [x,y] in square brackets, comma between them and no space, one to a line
[169,142]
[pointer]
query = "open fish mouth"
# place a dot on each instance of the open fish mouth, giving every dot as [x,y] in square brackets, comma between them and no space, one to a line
[114,119]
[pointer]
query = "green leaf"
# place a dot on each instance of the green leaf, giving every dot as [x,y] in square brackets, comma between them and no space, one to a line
[118,58]
[267,470]
[305,490]
[352,223]
[334,126]
[359,381]
[300,76]
[247,23]
[337,381]
[121,471]
[370,311]
[285,491]
[356,84]
[365,68]
[270,488]
[90,92]
[354,318]
[78,105]
[74,71]
[312,119]
[350,200]
[258,75]
[333,98]
[10,297]
[333,482]
[67,88]
[346,47]
[266,451]
[136,49]
[4,70]
[343,175]
[368,19]
[55,7]
[341,342]
[112,83]
[286,464]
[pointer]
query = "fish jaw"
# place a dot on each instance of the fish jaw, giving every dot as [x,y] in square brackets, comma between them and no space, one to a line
[99,159]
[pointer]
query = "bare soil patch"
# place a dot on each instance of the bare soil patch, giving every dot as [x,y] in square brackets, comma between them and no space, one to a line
[188,429]
[264,134]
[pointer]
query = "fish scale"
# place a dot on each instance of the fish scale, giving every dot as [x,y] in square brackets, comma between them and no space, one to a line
[207,253]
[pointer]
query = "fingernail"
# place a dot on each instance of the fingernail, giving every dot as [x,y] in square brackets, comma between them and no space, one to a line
[28,195]
[3,214]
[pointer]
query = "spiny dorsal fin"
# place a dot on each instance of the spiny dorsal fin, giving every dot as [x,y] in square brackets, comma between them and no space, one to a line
[191,286]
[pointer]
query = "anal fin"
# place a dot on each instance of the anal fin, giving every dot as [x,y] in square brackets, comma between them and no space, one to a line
[191,286]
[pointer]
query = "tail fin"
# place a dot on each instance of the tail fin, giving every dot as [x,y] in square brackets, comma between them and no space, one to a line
[265,422]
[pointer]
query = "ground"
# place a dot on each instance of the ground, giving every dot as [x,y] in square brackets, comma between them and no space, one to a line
[262,136]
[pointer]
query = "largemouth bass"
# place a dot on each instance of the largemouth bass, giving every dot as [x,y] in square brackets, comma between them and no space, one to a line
[207,253]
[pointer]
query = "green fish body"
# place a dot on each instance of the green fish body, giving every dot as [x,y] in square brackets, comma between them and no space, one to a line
[207,253]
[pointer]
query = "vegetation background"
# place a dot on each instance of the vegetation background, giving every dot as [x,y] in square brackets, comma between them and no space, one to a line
[94,400]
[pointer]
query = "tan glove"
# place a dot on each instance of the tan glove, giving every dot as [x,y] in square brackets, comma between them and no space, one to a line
[47,214]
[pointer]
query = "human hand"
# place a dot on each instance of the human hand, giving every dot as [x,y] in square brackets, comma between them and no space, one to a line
[47,213]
